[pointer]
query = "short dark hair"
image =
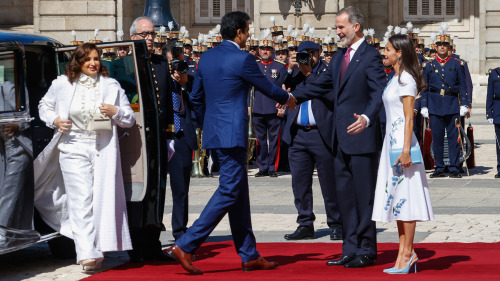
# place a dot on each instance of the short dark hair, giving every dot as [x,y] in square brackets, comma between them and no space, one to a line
[354,15]
[231,22]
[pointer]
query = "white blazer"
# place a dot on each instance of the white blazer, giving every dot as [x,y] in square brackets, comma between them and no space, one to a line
[109,207]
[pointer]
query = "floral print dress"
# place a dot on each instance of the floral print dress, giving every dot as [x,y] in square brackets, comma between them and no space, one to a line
[401,193]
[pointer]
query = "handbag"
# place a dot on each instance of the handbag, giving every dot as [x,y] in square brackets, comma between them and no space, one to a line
[99,122]
[415,154]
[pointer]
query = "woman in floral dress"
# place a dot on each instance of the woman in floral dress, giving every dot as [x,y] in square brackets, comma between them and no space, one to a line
[402,192]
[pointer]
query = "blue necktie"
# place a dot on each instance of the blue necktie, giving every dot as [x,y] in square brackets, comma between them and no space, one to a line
[304,113]
[177,119]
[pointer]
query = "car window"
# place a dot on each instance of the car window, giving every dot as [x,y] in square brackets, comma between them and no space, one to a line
[9,100]
[119,61]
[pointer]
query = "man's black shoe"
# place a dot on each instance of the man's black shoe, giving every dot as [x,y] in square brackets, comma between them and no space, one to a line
[497,176]
[343,260]
[262,174]
[301,233]
[437,174]
[455,175]
[273,174]
[360,261]
[336,233]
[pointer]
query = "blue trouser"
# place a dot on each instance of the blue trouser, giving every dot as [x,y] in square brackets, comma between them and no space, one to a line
[306,152]
[267,128]
[231,197]
[497,142]
[438,125]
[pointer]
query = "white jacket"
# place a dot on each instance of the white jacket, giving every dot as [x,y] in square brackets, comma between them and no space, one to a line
[109,207]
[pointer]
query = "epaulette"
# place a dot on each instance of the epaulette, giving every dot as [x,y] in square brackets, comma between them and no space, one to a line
[491,69]
[424,63]
[257,60]
[280,62]
[462,63]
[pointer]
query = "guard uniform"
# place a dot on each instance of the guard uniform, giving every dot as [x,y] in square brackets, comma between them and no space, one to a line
[445,93]
[493,109]
[266,122]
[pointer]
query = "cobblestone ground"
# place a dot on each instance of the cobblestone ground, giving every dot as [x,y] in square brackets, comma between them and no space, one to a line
[466,210]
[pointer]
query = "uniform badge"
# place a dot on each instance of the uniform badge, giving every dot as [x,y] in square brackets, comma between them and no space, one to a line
[274,73]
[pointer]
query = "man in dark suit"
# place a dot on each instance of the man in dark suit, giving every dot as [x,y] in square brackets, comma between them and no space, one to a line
[219,97]
[145,233]
[356,76]
[266,122]
[181,163]
[308,131]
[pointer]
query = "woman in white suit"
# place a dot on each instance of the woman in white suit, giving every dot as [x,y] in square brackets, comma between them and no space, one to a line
[78,179]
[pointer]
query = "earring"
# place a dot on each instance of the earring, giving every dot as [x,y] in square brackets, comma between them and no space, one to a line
[399,62]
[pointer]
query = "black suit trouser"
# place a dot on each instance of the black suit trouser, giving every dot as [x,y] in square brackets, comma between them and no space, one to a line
[355,179]
[266,127]
[306,152]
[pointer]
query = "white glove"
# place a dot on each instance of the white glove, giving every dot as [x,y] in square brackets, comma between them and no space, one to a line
[463,110]
[425,112]
[171,149]
[490,120]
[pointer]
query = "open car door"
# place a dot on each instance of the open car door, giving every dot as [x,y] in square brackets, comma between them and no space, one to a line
[16,153]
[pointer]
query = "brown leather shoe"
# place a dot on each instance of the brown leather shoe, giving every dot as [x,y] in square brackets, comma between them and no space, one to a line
[184,259]
[258,264]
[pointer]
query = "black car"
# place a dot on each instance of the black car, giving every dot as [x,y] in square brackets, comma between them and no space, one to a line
[28,65]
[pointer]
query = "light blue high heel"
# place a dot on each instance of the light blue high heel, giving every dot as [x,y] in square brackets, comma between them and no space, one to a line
[405,270]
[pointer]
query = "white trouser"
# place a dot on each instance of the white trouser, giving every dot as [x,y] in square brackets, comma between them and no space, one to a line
[76,158]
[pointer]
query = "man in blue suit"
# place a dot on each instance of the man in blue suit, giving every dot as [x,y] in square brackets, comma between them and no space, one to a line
[356,76]
[219,97]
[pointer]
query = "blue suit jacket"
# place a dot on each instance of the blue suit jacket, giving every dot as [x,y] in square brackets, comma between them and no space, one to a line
[453,74]
[220,93]
[360,92]
[493,96]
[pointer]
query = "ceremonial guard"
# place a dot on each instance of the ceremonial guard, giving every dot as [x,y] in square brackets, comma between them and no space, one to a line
[443,101]
[329,50]
[188,50]
[197,51]
[265,119]
[493,109]
[160,40]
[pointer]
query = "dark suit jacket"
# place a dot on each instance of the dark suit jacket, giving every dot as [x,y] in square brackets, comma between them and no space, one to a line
[185,115]
[220,93]
[360,92]
[323,111]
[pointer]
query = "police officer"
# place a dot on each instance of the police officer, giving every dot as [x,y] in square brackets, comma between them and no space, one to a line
[444,99]
[265,120]
[493,109]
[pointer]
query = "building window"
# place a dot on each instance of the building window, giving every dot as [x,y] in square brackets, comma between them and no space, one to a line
[431,10]
[212,11]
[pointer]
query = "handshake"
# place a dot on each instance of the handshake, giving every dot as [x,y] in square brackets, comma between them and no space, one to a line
[291,103]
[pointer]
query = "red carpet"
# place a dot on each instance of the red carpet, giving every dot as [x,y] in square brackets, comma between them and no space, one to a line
[306,261]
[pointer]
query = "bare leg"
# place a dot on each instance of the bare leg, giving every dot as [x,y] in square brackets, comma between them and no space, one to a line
[406,231]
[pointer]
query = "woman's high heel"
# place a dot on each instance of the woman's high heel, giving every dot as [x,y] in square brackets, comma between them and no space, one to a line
[405,270]
[90,264]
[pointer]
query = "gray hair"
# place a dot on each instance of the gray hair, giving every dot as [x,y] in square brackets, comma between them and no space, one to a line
[133,27]
[354,15]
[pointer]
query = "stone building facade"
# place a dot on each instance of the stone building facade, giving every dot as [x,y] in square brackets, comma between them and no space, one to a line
[474,23]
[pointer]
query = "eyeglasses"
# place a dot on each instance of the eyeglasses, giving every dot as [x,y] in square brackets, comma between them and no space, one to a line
[146,34]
